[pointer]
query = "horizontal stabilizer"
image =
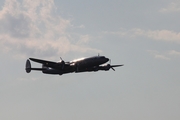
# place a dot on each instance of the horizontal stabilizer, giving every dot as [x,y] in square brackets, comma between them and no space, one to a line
[28,67]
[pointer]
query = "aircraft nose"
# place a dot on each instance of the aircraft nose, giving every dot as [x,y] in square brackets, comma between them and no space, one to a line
[107,59]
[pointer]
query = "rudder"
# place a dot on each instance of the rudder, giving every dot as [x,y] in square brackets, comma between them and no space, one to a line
[28,66]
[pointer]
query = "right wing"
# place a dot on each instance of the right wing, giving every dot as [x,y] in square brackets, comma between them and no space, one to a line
[55,65]
[46,63]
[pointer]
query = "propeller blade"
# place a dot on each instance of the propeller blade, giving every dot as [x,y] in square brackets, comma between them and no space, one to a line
[112,68]
[116,65]
[62,62]
[61,59]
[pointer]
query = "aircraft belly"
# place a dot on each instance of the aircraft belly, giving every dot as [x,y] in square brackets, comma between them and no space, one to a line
[51,71]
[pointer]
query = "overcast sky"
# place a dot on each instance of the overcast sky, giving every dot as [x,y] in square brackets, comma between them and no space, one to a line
[142,35]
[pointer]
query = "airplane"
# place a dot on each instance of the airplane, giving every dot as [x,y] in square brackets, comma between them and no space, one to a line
[89,64]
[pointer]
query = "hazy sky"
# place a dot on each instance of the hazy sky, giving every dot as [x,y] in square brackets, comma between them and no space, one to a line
[142,35]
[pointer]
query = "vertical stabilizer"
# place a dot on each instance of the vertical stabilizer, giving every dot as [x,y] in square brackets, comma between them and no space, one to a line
[28,66]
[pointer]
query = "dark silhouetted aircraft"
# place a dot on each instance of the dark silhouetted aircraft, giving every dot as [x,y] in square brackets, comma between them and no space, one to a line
[79,65]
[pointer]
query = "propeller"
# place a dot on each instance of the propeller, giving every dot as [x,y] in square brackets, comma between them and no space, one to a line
[62,62]
[61,59]
[112,66]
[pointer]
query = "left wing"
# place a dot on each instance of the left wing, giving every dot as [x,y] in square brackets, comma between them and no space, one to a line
[44,62]
[55,65]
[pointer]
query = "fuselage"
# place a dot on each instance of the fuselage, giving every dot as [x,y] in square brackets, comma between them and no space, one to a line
[89,62]
[78,65]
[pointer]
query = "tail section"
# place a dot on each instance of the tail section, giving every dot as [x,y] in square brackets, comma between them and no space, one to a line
[28,66]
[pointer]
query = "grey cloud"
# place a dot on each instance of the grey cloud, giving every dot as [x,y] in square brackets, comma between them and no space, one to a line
[172,7]
[163,35]
[16,26]
[30,28]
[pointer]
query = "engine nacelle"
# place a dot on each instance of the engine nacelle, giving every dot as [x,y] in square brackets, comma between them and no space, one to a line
[105,67]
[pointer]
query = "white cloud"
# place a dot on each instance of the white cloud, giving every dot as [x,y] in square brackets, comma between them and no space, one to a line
[84,39]
[158,55]
[81,26]
[168,55]
[172,7]
[122,32]
[174,52]
[33,28]
[163,35]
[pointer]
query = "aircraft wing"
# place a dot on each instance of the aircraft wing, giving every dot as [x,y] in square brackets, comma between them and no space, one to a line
[116,65]
[55,65]
[45,62]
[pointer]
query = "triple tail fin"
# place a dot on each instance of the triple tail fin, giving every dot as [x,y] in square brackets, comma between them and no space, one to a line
[28,67]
